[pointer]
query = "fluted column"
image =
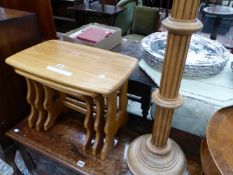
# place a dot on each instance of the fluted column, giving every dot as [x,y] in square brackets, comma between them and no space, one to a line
[156,153]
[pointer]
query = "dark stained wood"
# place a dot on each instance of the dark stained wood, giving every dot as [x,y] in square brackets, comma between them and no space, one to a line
[85,12]
[220,140]
[63,145]
[43,10]
[64,18]
[140,84]
[18,30]
[97,8]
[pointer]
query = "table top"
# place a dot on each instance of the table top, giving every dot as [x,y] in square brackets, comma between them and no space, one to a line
[75,66]
[134,49]
[7,14]
[220,139]
[219,11]
[98,8]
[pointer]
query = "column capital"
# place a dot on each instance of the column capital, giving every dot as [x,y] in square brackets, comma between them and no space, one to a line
[165,102]
[182,27]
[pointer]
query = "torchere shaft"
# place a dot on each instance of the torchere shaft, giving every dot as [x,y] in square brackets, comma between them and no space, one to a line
[156,154]
[184,12]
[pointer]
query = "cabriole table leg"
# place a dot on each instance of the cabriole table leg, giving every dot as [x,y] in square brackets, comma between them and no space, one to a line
[53,103]
[116,117]
[31,95]
[88,122]
[110,127]
[40,96]
[99,125]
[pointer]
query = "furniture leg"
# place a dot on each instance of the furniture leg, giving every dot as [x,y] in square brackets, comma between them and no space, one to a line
[115,119]
[123,101]
[85,107]
[88,122]
[53,103]
[110,125]
[31,96]
[214,32]
[146,101]
[40,96]
[99,125]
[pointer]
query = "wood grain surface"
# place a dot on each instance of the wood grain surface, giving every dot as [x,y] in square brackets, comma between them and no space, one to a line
[75,66]
[63,144]
[220,139]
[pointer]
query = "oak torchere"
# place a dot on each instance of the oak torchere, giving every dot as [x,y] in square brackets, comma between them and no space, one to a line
[156,153]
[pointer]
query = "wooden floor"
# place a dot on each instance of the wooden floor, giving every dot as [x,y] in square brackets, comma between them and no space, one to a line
[61,147]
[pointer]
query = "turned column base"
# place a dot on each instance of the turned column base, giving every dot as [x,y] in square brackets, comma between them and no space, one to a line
[144,158]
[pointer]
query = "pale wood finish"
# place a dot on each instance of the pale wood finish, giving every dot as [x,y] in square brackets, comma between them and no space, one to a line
[183,11]
[76,104]
[155,151]
[89,123]
[40,96]
[99,125]
[220,140]
[110,126]
[92,69]
[207,162]
[116,117]
[177,49]
[31,96]
[81,78]
[58,87]
[86,108]
[53,103]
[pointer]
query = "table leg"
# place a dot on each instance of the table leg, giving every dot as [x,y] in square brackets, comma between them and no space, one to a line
[88,122]
[146,101]
[214,32]
[40,96]
[110,125]
[99,125]
[115,118]
[53,103]
[123,101]
[31,96]
[110,20]
[84,105]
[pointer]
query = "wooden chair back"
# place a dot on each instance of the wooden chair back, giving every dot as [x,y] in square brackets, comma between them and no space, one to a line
[145,20]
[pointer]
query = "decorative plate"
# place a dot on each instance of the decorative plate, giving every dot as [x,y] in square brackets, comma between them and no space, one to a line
[205,57]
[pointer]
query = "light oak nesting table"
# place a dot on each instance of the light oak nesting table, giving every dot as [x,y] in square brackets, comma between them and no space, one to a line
[89,80]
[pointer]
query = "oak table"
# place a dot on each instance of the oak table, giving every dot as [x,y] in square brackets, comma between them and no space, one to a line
[217,151]
[85,79]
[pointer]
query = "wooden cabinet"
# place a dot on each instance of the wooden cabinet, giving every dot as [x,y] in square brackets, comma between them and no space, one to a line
[43,11]
[63,17]
[18,30]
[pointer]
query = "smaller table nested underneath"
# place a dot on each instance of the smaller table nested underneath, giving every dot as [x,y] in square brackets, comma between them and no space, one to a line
[89,80]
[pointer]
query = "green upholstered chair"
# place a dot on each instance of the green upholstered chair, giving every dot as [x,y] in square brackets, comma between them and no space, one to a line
[124,20]
[145,22]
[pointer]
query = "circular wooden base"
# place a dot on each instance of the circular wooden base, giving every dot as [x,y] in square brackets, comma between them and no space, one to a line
[144,158]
